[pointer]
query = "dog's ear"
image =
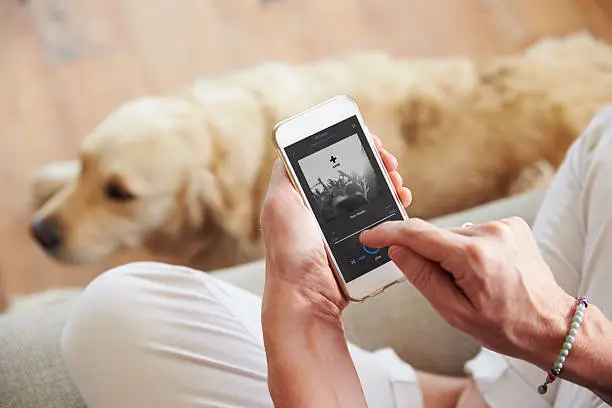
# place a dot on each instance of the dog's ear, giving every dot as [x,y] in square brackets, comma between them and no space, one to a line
[223,199]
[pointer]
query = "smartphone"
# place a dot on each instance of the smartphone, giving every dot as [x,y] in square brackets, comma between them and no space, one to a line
[333,162]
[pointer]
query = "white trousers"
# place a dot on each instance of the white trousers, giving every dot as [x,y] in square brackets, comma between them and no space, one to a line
[152,335]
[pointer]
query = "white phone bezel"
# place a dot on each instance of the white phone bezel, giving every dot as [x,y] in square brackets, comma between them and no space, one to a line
[312,121]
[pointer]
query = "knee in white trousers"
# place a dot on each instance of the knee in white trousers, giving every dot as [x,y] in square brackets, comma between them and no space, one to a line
[154,335]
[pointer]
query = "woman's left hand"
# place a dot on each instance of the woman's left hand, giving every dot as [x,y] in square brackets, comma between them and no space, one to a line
[295,254]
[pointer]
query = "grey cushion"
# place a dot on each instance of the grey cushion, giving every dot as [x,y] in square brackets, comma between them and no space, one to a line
[32,372]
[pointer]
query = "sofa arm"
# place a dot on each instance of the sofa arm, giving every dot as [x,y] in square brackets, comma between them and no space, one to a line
[524,205]
[32,371]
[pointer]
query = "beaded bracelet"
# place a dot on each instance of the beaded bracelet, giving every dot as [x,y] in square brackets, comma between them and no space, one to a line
[555,371]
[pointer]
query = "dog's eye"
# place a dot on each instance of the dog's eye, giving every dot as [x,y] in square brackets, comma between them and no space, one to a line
[117,192]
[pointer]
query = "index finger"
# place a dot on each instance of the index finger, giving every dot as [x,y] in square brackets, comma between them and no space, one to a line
[425,239]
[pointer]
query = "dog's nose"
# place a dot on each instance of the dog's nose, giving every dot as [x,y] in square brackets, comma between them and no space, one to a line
[47,233]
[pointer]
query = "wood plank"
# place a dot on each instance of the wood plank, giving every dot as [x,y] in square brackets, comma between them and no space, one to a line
[598,14]
[175,44]
[72,30]
[88,59]
[87,91]
[550,17]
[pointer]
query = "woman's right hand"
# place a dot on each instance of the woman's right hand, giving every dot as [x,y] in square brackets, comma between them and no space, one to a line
[489,281]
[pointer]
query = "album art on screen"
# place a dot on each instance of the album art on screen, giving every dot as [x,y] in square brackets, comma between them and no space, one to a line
[341,178]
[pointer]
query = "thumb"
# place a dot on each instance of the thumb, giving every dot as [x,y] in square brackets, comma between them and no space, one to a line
[281,191]
[279,179]
[428,277]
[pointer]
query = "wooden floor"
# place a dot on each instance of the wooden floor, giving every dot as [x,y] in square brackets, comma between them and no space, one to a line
[64,64]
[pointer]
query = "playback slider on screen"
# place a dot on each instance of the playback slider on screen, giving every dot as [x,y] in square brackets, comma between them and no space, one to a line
[365,228]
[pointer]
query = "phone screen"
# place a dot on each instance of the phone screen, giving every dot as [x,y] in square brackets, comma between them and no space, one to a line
[347,191]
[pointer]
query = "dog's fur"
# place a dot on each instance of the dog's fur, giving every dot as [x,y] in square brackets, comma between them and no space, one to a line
[198,162]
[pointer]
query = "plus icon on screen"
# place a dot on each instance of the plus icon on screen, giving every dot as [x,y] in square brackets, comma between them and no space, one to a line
[333,159]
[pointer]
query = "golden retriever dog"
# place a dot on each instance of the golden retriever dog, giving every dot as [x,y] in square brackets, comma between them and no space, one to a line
[184,175]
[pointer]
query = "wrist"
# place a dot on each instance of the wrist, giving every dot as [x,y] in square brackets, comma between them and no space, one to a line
[289,316]
[306,349]
[587,363]
[541,345]
[286,300]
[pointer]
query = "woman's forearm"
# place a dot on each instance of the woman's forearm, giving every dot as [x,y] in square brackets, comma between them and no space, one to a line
[309,364]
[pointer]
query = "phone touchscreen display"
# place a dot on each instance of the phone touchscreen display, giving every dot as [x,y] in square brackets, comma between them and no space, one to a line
[347,192]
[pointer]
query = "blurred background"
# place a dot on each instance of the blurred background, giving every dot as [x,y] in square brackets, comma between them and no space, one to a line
[65,64]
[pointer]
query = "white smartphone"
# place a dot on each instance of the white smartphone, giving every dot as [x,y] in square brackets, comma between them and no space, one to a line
[334,164]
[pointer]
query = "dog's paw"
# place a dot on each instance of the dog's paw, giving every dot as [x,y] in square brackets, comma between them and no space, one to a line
[539,175]
[50,179]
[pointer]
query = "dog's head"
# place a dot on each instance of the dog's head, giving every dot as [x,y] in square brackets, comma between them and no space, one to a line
[149,168]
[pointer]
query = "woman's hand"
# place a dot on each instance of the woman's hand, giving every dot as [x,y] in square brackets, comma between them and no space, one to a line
[302,304]
[488,281]
[296,260]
